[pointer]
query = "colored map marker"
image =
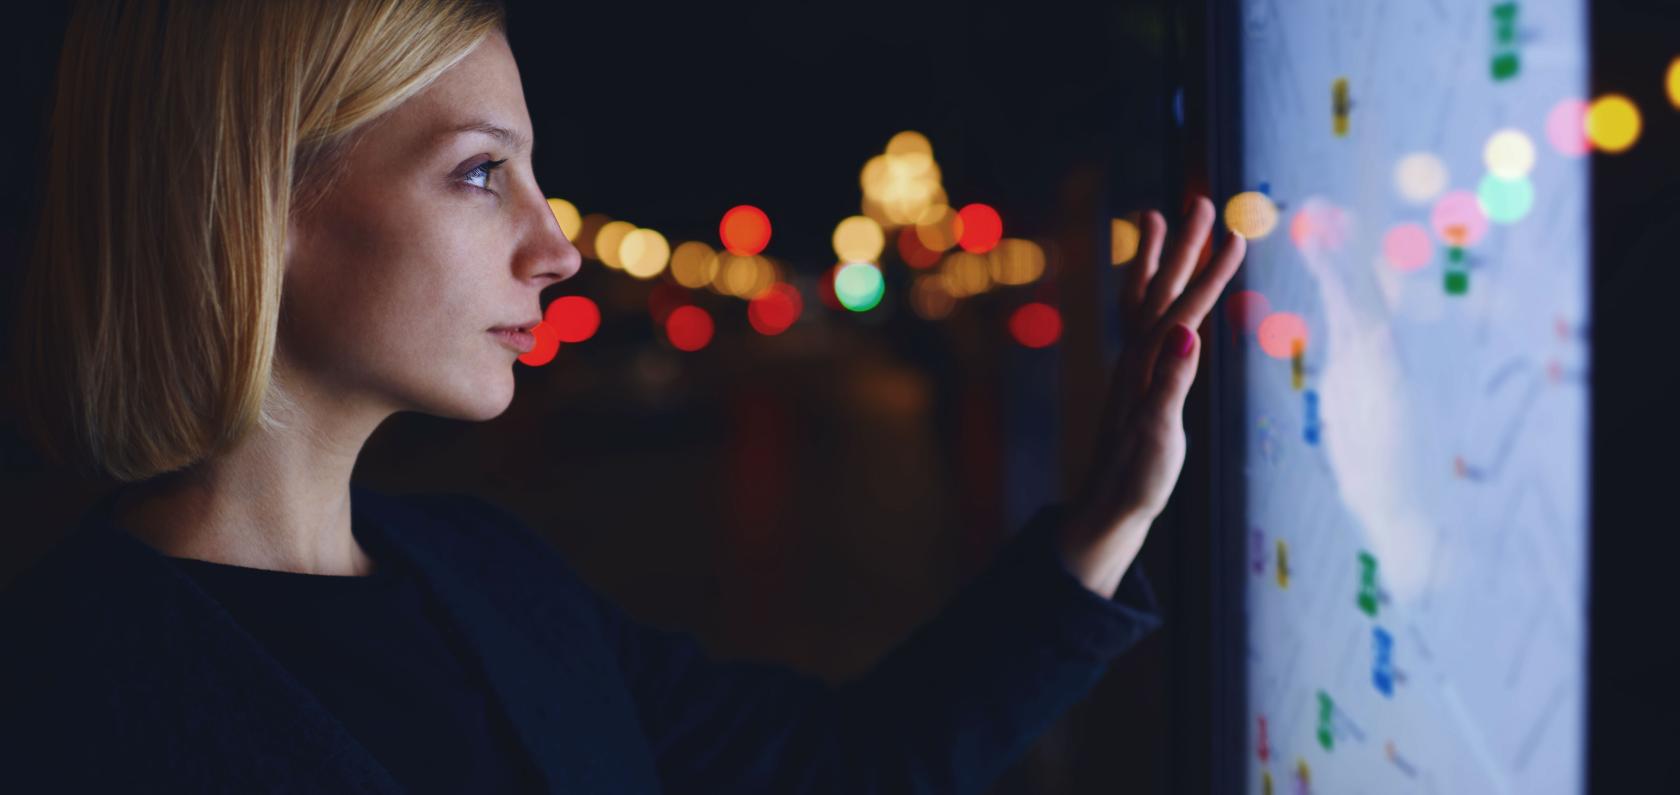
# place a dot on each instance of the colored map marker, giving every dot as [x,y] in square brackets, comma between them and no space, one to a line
[1506,62]
[1282,564]
[1340,107]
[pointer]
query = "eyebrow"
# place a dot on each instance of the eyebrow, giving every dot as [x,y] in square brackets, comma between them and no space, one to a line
[516,140]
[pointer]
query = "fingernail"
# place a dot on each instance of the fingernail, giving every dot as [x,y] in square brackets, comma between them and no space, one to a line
[1183,339]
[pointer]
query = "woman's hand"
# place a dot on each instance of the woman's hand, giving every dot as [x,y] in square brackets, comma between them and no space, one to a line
[1140,439]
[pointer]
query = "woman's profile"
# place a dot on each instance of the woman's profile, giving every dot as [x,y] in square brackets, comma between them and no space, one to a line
[266,227]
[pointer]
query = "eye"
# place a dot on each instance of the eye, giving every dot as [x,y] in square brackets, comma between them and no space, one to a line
[483,170]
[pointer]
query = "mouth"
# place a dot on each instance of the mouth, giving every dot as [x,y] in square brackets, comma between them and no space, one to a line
[521,340]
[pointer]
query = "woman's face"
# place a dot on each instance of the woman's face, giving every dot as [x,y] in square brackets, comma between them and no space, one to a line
[394,280]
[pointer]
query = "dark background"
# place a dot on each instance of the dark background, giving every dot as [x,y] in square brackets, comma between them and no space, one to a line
[807,498]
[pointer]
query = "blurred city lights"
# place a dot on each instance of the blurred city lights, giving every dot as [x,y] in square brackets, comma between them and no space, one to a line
[609,242]
[688,328]
[859,286]
[548,344]
[644,253]
[858,239]
[567,216]
[982,228]
[694,264]
[1014,261]
[745,230]
[1123,240]
[774,311]
[572,318]
[1613,123]
[1036,325]
[1251,214]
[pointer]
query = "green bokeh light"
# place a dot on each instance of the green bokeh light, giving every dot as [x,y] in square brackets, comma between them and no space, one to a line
[859,286]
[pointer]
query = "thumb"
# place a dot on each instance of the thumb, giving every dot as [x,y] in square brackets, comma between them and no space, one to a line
[1175,370]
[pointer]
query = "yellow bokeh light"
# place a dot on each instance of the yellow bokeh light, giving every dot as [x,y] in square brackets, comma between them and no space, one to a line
[938,227]
[694,264]
[588,231]
[1015,261]
[1251,214]
[929,299]
[644,253]
[859,239]
[609,240]
[1674,82]
[966,274]
[909,142]
[744,277]
[1613,123]
[1123,240]
[1509,154]
[567,216]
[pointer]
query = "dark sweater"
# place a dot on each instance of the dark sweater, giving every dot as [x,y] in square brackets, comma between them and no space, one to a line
[122,673]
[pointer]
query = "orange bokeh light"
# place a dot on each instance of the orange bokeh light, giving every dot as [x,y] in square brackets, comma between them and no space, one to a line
[745,230]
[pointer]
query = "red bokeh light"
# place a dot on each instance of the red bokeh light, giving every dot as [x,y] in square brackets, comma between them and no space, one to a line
[914,253]
[689,328]
[745,230]
[982,228]
[771,313]
[1036,325]
[574,318]
[548,344]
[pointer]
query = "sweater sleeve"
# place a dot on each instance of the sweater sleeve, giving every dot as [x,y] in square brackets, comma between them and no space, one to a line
[947,710]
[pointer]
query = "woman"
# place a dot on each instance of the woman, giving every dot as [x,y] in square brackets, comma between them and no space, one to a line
[267,227]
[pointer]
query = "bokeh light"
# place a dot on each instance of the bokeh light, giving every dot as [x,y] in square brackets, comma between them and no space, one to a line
[1036,325]
[745,230]
[548,344]
[858,239]
[587,232]
[567,216]
[982,228]
[911,250]
[694,264]
[1613,123]
[859,286]
[1420,177]
[1123,240]
[939,228]
[609,242]
[1566,128]
[644,253]
[909,142]
[573,318]
[1407,247]
[1251,214]
[1673,82]
[966,274]
[1458,219]
[688,328]
[1014,261]
[774,311]
[744,277]
[1508,154]
[1279,333]
[1505,201]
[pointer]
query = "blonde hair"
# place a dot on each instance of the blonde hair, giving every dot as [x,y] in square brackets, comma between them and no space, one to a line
[182,137]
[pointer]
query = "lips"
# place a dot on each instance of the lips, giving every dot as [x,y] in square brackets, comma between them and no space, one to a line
[525,326]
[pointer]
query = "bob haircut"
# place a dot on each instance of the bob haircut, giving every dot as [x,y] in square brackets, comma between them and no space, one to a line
[183,137]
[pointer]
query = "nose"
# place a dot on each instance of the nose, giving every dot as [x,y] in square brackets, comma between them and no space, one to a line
[548,255]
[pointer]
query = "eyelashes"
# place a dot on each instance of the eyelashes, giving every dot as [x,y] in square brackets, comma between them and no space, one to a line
[483,169]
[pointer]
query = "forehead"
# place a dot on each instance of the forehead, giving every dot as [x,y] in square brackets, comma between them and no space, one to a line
[479,96]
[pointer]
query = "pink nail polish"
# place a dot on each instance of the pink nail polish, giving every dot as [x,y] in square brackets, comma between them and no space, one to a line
[1183,340]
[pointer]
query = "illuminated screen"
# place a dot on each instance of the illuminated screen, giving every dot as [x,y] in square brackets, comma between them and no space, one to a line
[1413,328]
